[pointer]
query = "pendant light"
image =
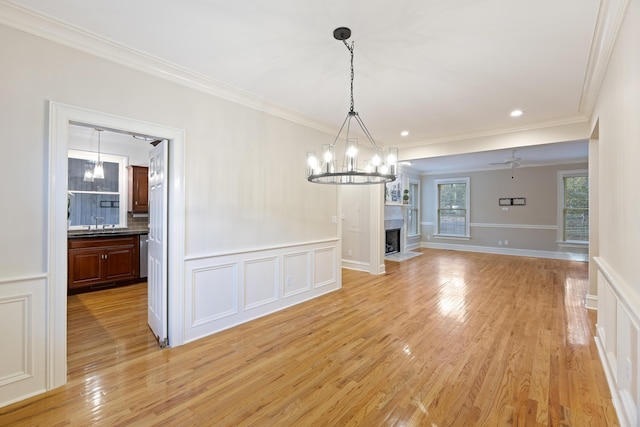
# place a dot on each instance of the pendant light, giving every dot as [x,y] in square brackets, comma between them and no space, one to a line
[359,163]
[88,172]
[98,171]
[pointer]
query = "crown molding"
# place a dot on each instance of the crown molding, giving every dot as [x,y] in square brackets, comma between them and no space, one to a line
[49,28]
[608,23]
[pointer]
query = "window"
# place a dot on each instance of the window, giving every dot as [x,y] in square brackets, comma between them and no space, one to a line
[96,201]
[573,191]
[452,204]
[413,228]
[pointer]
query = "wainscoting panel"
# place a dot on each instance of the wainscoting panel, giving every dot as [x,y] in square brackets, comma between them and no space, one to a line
[324,257]
[215,293]
[260,282]
[23,329]
[297,273]
[618,339]
[222,291]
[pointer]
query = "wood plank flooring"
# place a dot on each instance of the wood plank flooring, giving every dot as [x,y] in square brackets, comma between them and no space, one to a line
[443,339]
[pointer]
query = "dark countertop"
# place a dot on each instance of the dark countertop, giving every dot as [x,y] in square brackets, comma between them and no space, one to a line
[118,232]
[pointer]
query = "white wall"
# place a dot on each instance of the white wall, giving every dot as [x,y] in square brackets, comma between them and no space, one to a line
[617,115]
[361,222]
[356,224]
[244,180]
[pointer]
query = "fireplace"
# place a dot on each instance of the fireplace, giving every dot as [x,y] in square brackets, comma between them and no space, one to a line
[392,241]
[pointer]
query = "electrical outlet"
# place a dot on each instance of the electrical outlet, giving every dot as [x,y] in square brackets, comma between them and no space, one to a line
[499,242]
[428,236]
[506,243]
[289,281]
[334,219]
[349,252]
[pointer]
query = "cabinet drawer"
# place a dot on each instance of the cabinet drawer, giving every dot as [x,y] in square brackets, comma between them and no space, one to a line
[101,242]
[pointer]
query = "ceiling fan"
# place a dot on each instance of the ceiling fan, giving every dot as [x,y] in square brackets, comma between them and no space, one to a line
[513,161]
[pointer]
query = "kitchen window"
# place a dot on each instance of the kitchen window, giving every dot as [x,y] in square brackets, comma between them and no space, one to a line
[100,202]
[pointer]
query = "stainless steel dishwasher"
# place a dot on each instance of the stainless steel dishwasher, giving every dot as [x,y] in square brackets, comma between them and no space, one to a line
[144,258]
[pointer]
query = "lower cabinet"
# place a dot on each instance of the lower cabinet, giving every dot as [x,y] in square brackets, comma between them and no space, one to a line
[102,260]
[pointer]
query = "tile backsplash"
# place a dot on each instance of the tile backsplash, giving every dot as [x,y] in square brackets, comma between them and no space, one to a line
[137,223]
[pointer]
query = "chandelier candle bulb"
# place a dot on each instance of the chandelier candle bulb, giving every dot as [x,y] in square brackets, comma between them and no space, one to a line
[376,160]
[312,163]
[392,160]
[328,155]
[352,152]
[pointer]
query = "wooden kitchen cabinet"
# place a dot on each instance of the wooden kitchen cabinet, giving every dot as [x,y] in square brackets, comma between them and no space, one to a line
[138,189]
[94,261]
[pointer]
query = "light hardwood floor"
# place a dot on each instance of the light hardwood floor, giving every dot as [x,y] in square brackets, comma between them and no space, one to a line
[446,338]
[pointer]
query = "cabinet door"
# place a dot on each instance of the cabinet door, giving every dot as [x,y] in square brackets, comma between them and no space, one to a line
[85,267]
[121,263]
[140,189]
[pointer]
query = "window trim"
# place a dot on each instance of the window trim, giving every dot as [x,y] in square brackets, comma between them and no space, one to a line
[562,174]
[414,206]
[123,162]
[457,180]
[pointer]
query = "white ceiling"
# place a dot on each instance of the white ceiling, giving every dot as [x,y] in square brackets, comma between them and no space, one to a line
[434,68]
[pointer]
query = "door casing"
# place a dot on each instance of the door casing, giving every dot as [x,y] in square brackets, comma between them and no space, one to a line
[60,116]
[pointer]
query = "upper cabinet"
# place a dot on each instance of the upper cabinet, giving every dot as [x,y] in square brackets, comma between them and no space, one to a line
[138,189]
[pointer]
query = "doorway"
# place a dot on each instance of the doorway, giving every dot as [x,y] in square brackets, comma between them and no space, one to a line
[109,215]
[61,115]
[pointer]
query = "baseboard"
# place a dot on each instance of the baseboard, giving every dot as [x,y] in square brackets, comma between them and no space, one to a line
[508,251]
[356,265]
[413,246]
[591,302]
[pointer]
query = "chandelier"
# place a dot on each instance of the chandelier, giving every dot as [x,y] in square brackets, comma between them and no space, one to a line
[358,163]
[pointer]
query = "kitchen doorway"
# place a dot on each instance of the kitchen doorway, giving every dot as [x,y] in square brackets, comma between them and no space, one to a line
[109,215]
[61,116]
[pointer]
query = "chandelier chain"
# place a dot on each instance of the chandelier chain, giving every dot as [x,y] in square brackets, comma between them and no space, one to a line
[352,72]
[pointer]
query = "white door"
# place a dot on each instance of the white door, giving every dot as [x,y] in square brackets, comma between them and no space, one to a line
[157,272]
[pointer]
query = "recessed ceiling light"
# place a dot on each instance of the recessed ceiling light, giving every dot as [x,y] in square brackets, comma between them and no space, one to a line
[404,133]
[405,163]
[517,113]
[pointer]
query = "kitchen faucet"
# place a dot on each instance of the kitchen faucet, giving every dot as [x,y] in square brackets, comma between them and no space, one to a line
[99,218]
